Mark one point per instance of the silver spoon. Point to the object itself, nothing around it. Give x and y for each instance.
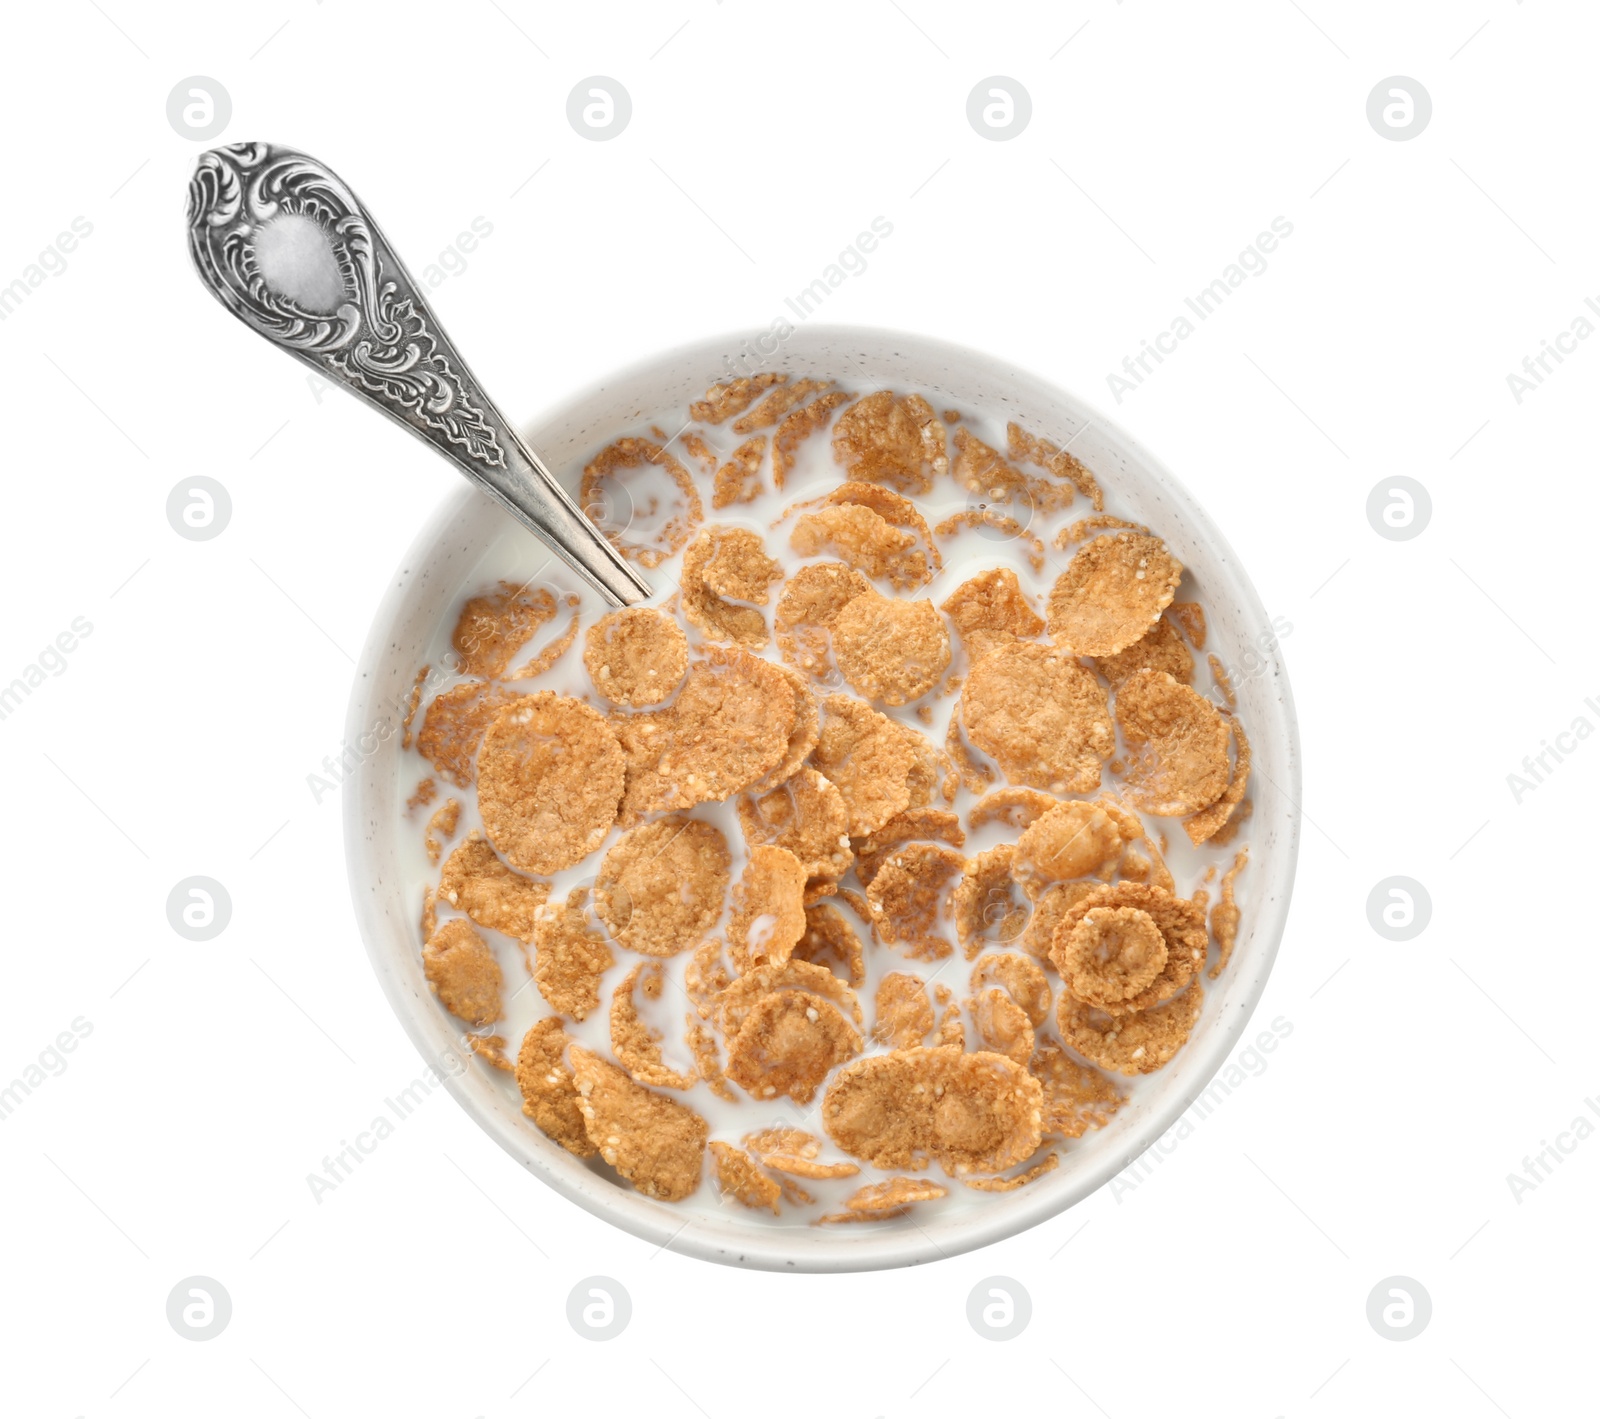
(290, 250)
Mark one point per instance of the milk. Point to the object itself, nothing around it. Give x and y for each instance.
(515, 557)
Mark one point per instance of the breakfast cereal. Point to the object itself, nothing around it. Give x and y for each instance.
(749, 809)
(570, 957)
(661, 884)
(550, 776)
(635, 657)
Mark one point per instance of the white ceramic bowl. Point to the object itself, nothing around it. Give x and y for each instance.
(423, 593)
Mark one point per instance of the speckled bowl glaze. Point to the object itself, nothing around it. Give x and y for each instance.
(431, 575)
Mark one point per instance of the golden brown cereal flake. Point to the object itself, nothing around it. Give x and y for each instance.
(891, 651)
(412, 702)
(426, 791)
(549, 1095)
(1099, 523)
(636, 1044)
(829, 937)
(636, 657)
(493, 627)
(806, 608)
(723, 563)
(1112, 955)
(550, 775)
(797, 427)
(454, 725)
(430, 913)
(733, 1004)
(991, 610)
(698, 449)
(1020, 977)
(1003, 1026)
(476, 882)
(570, 957)
(890, 440)
(1159, 648)
(729, 726)
(902, 1016)
(794, 1151)
(952, 1033)
(1178, 741)
(985, 474)
(909, 569)
(739, 1177)
(974, 775)
(463, 973)
(802, 737)
(1007, 526)
(782, 399)
(1225, 915)
(1041, 716)
(893, 1198)
(737, 566)
(1208, 824)
(1191, 616)
(1024, 447)
(1182, 925)
(931, 770)
(722, 401)
(1111, 593)
(865, 756)
(858, 536)
(1076, 1097)
(1075, 839)
(1018, 808)
(628, 453)
(551, 653)
(806, 815)
(441, 828)
(1046, 1164)
(706, 976)
(907, 894)
(661, 885)
(972, 1113)
(1224, 681)
(788, 1043)
(702, 1043)
(654, 1142)
(739, 479)
(1052, 905)
(986, 904)
(914, 825)
(769, 914)
(1139, 1043)
(491, 1049)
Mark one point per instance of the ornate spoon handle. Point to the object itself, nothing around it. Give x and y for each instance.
(287, 247)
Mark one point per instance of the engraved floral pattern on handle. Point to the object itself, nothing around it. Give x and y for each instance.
(381, 339)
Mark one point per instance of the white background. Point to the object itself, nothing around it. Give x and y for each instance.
(178, 739)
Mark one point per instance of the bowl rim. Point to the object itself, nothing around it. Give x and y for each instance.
(823, 1250)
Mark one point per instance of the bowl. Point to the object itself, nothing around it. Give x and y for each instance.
(423, 591)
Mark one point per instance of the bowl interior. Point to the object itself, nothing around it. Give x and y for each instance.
(422, 594)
